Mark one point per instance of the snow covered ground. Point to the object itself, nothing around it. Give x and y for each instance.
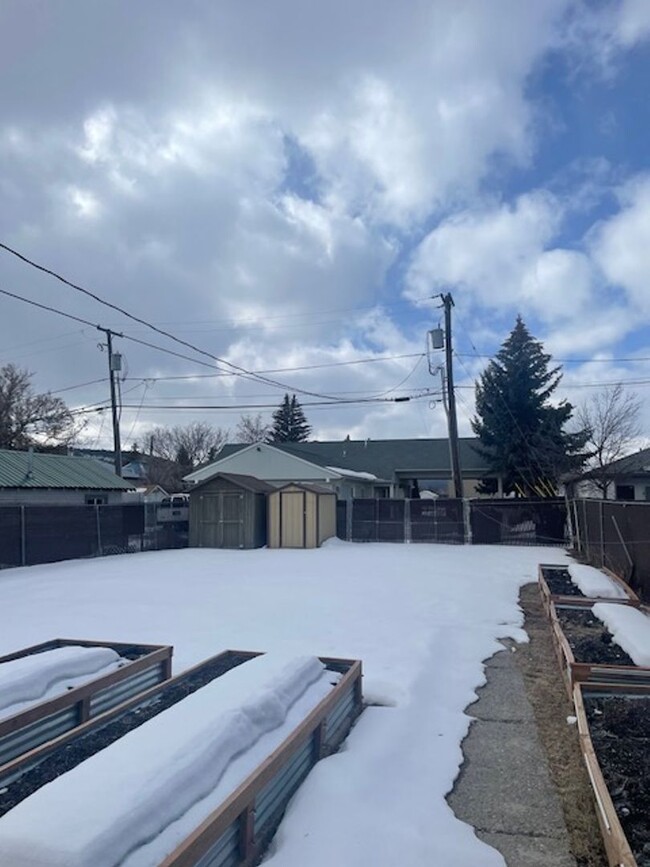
(421, 617)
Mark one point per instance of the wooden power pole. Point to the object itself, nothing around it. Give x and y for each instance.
(452, 421)
(113, 368)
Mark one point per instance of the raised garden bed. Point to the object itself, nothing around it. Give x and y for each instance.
(289, 716)
(26, 774)
(141, 666)
(614, 727)
(587, 650)
(557, 585)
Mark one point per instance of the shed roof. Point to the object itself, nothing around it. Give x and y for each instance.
(36, 470)
(307, 486)
(249, 483)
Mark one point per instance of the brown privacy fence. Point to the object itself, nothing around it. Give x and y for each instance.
(615, 535)
(44, 534)
(482, 522)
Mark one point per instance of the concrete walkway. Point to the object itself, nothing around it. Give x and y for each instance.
(504, 789)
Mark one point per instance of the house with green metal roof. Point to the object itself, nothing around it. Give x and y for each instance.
(354, 468)
(32, 478)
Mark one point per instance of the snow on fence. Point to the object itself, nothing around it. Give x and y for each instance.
(617, 846)
(158, 784)
(54, 687)
(567, 585)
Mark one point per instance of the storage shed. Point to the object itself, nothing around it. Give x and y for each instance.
(228, 511)
(301, 515)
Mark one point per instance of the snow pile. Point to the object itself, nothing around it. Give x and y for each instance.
(31, 679)
(103, 810)
(353, 474)
(630, 628)
(594, 583)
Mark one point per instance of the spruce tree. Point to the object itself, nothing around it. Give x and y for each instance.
(521, 433)
(289, 423)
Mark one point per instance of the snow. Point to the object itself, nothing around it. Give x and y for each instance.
(187, 750)
(353, 474)
(630, 628)
(423, 618)
(29, 680)
(594, 583)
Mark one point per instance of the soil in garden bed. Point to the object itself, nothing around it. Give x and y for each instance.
(559, 581)
(620, 732)
(589, 638)
(82, 747)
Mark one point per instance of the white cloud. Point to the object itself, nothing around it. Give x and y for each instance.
(621, 244)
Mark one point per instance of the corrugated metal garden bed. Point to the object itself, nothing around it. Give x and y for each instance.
(23, 775)
(614, 728)
(586, 650)
(556, 585)
(238, 830)
(28, 729)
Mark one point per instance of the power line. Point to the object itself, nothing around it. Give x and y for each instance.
(241, 371)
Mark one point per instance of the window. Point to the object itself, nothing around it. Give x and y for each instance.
(96, 499)
(624, 492)
(647, 492)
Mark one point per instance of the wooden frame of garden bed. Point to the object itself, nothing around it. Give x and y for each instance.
(42, 722)
(14, 768)
(586, 601)
(590, 672)
(238, 831)
(619, 853)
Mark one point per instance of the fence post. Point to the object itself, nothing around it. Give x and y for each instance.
(467, 521)
(586, 552)
(23, 543)
(348, 518)
(99, 530)
(576, 526)
(602, 533)
(407, 522)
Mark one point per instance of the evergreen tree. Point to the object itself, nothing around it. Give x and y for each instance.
(521, 433)
(289, 423)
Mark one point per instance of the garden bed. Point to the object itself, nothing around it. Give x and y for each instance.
(50, 688)
(26, 774)
(249, 738)
(614, 726)
(582, 585)
(587, 650)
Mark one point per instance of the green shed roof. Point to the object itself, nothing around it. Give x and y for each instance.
(34, 470)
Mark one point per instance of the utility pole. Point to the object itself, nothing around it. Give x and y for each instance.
(114, 365)
(448, 303)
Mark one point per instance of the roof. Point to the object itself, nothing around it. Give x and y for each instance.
(637, 464)
(250, 483)
(382, 458)
(35, 470)
(307, 486)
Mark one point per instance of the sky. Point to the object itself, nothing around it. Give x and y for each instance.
(287, 186)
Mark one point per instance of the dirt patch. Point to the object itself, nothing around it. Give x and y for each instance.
(620, 732)
(559, 581)
(589, 638)
(547, 695)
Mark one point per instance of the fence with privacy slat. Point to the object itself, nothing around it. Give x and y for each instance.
(615, 535)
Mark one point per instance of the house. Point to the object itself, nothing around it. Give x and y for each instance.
(627, 479)
(354, 468)
(30, 478)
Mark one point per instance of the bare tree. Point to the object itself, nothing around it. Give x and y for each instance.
(611, 418)
(189, 445)
(28, 419)
(252, 429)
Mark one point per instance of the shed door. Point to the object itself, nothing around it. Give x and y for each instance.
(292, 508)
(222, 520)
(232, 521)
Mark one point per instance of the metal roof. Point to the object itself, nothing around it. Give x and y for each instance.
(383, 458)
(35, 470)
(249, 483)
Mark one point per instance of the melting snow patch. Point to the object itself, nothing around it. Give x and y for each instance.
(629, 627)
(595, 583)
